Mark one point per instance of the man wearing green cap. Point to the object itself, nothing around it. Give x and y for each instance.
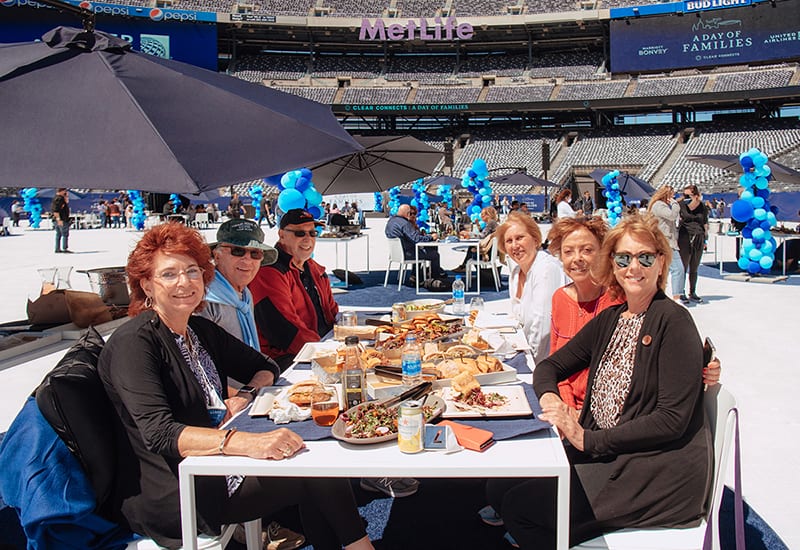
(238, 255)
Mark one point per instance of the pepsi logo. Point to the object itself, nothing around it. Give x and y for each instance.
(8, 3)
(85, 5)
(156, 14)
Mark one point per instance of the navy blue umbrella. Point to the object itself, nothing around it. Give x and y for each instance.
(631, 187)
(522, 178)
(80, 109)
(731, 163)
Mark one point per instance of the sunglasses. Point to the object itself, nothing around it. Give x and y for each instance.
(623, 259)
(240, 251)
(300, 233)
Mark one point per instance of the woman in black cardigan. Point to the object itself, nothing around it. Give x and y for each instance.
(640, 452)
(164, 372)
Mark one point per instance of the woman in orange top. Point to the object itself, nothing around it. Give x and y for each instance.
(576, 242)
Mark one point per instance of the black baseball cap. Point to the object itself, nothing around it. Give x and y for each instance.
(298, 216)
(247, 234)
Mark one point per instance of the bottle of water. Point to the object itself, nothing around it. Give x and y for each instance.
(412, 362)
(353, 376)
(458, 297)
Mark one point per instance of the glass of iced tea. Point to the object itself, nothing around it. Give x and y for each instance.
(325, 405)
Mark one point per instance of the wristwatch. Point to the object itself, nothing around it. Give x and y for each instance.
(250, 390)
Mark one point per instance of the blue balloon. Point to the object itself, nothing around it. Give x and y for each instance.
(771, 219)
(742, 210)
(315, 211)
(747, 163)
(757, 202)
(755, 254)
(480, 168)
(471, 174)
(747, 232)
(487, 199)
(744, 262)
(747, 245)
(760, 214)
(767, 247)
(761, 183)
(301, 184)
(763, 193)
(312, 196)
(758, 234)
(754, 268)
(615, 186)
(474, 209)
(290, 199)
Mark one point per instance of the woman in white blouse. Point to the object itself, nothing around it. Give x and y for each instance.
(563, 208)
(535, 276)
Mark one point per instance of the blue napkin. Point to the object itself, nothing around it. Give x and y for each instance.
(306, 429)
(508, 428)
(519, 362)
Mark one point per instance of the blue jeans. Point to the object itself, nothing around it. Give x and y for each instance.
(62, 235)
(677, 275)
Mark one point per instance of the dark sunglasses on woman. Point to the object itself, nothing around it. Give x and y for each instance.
(623, 259)
(240, 251)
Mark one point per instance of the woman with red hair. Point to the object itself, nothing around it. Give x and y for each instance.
(164, 372)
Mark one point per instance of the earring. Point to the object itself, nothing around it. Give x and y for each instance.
(148, 302)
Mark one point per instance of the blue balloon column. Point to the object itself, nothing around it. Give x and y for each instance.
(422, 203)
(378, 202)
(256, 193)
(176, 202)
(446, 192)
(138, 209)
(32, 206)
(476, 181)
(394, 200)
(298, 191)
(757, 253)
(613, 197)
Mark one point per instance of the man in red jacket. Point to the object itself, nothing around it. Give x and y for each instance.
(293, 299)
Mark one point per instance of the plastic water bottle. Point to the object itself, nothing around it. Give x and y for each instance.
(412, 362)
(459, 308)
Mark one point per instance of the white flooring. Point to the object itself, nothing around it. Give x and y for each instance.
(754, 327)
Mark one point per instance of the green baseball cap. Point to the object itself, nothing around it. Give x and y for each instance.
(247, 234)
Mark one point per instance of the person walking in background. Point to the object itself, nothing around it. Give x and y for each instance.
(587, 204)
(115, 213)
(667, 211)
(235, 208)
(264, 212)
(16, 212)
(60, 211)
(692, 234)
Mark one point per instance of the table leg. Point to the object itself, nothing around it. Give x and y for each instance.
(367, 236)
(716, 248)
(346, 257)
(188, 514)
(784, 256)
(562, 516)
(478, 266)
(416, 265)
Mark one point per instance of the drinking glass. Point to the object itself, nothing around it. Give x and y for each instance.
(476, 304)
(324, 405)
(346, 319)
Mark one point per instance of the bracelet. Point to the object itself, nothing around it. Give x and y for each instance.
(225, 439)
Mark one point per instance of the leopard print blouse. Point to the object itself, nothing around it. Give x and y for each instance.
(613, 379)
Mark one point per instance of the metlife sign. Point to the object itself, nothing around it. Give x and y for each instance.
(161, 35)
(759, 32)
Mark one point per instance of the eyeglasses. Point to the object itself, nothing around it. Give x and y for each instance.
(623, 259)
(240, 251)
(300, 233)
(172, 276)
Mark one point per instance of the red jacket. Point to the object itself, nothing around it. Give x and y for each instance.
(285, 316)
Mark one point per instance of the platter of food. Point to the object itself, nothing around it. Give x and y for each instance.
(467, 399)
(373, 422)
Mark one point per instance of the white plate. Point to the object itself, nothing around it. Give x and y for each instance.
(517, 404)
(311, 349)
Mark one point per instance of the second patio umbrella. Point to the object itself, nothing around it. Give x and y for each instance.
(731, 163)
(386, 161)
(632, 188)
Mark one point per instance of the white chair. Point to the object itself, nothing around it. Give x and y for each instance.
(252, 532)
(723, 418)
(201, 220)
(493, 263)
(396, 256)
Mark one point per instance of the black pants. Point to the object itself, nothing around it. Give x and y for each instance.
(432, 255)
(327, 507)
(691, 249)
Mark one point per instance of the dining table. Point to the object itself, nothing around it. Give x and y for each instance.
(524, 448)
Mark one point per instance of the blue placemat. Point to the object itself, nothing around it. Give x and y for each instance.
(519, 362)
(307, 429)
(508, 428)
